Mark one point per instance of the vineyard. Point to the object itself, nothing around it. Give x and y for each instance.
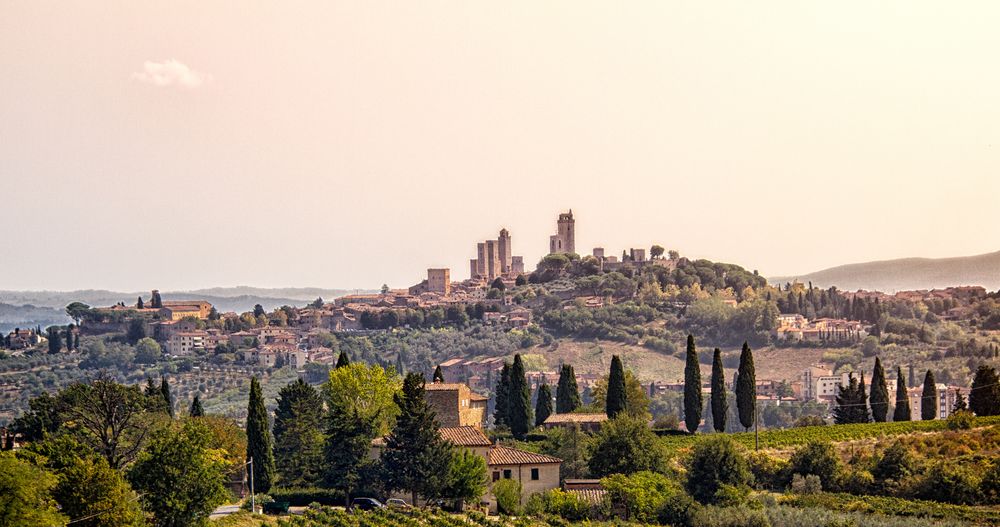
(836, 433)
(330, 517)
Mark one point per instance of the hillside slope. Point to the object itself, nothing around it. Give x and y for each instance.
(907, 273)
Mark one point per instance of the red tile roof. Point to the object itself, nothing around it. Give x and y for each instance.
(576, 418)
(504, 455)
(468, 436)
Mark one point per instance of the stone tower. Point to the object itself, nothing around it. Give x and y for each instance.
(503, 249)
(564, 241)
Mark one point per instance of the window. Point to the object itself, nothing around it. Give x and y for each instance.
(496, 475)
(506, 474)
(534, 474)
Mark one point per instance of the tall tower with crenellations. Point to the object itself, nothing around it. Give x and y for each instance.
(503, 247)
(564, 241)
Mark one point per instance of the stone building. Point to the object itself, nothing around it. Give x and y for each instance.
(564, 241)
(438, 281)
(535, 472)
(495, 259)
(456, 405)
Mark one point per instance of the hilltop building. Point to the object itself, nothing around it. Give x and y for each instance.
(495, 259)
(564, 241)
(438, 281)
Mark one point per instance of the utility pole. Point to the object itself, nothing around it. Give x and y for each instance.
(253, 502)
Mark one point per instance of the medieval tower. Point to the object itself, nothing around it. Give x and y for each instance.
(565, 239)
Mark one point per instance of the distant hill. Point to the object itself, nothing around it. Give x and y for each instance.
(907, 273)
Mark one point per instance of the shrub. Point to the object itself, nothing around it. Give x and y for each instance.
(806, 484)
(960, 420)
(302, 496)
(819, 459)
(950, 483)
(857, 481)
(508, 495)
(731, 517)
(896, 463)
(626, 445)
(645, 496)
(716, 462)
(768, 472)
(564, 504)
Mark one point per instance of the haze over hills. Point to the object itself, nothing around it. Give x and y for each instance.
(907, 273)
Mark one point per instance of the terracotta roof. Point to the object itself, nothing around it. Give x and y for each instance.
(504, 455)
(591, 496)
(444, 386)
(576, 418)
(468, 436)
(476, 397)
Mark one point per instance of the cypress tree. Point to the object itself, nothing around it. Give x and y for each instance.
(984, 397)
(567, 393)
(693, 403)
(167, 399)
(438, 376)
(520, 400)
(501, 410)
(879, 397)
(55, 340)
(138, 303)
(929, 398)
(196, 409)
(154, 397)
(399, 364)
(415, 455)
(259, 440)
(960, 405)
(852, 406)
(720, 406)
(902, 411)
(863, 415)
(746, 388)
(913, 377)
(298, 434)
(345, 451)
(543, 404)
(342, 360)
(616, 399)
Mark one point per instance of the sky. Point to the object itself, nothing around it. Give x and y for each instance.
(187, 144)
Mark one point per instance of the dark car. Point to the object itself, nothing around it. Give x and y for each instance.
(366, 504)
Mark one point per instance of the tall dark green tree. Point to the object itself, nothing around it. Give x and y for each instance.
(438, 376)
(259, 445)
(520, 400)
(167, 398)
(567, 393)
(852, 405)
(543, 404)
(155, 301)
(139, 303)
(258, 311)
(720, 406)
(501, 410)
(693, 402)
(342, 360)
(136, 331)
(879, 397)
(902, 411)
(154, 401)
(399, 364)
(345, 451)
(196, 408)
(984, 397)
(298, 435)
(55, 340)
(746, 388)
(929, 398)
(960, 404)
(616, 401)
(415, 456)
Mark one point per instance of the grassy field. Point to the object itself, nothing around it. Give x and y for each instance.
(791, 437)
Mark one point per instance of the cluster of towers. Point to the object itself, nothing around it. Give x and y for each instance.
(495, 260)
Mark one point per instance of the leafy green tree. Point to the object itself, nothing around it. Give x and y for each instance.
(154, 397)
(298, 435)
(258, 311)
(498, 284)
(896, 463)
(259, 444)
(520, 280)
(693, 402)
(438, 376)
(181, 476)
(520, 400)
(365, 391)
(650, 498)
(343, 360)
(817, 458)
(77, 311)
(626, 445)
(543, 404)
(467, 476)
(636, 396)
(984, 397)
(879, 397)
(501, 411)
(167, 398)
(902, 410)
(746, 388)
(715, 463)
(414, 451)
(196, 408)
(41, 419)
(107, 417)
(567, 393)
(720, 406)
(929, 398)
(55, 339)
(616, 400)
(96, 495)
(26, 495)
(508, 494)
(656, 251)
(148, 351)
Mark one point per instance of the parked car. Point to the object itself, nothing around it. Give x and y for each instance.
(366, 504)
(397, 503)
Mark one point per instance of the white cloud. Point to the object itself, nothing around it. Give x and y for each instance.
(170, 73)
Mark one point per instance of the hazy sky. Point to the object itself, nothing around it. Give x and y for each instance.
(346, 144)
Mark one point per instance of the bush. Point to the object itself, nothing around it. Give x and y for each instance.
(950, 483)
(806, 484)
(508, 495)
(819, 459)
(714, 463)
(563, 504)
(731, 517)
(649, 497)
(302, 496)
(259, 500)
(896, 463)
(960, 420)
(768, 472)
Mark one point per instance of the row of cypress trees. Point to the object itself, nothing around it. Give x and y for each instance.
(745, 388)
